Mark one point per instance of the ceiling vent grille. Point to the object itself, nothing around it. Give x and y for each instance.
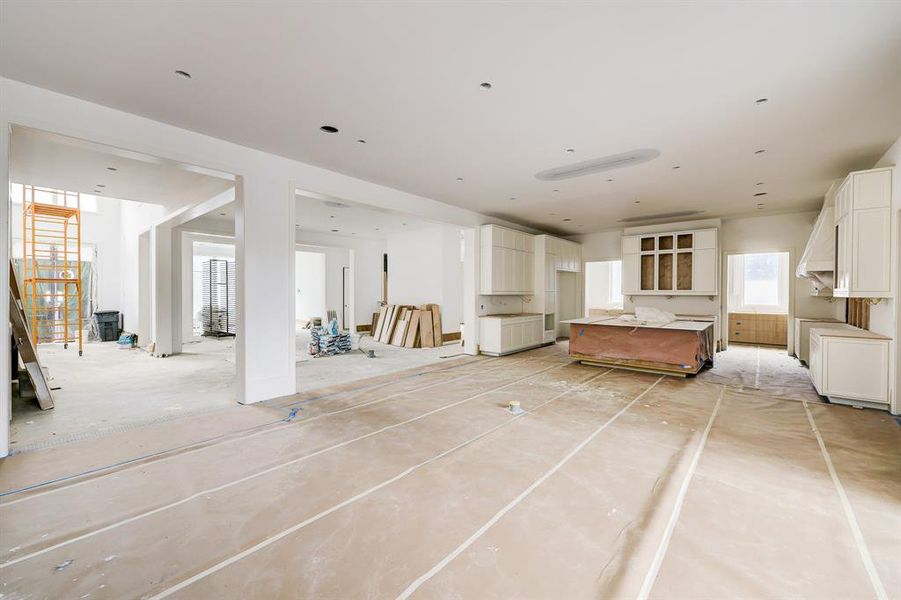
(658, 216)
(597, 165)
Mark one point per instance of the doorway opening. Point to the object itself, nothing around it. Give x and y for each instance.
(122, 283)
(757, 300)
(603, 287)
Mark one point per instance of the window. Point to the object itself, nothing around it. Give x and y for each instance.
(603, 285)
(759, 282)
(88, 202)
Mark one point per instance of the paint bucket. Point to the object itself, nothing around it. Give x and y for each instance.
(515, 408)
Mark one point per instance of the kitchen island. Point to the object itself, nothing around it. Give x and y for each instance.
(680, 347)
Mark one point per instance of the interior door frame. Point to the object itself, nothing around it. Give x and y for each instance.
(724, 295)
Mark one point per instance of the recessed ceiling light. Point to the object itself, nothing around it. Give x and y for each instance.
(567, 220)
(361, 141)
(376, 228)
(571, 150)
(328, 129)
(556, 190)
(759, 183)
(100, 185)
(97, 192)
(677, 167)
(334, 231)
(331, 216)
(183, 74)
(761, 101)
(404, 224)
(759, 194)
(759, 151)
(609, 180)
(112, 169)
(221, 214)
(638, 202)
(485, 85)
(459, 179)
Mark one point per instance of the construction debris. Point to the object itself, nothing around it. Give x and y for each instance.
(408, 326)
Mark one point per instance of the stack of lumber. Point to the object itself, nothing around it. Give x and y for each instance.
(409, 326)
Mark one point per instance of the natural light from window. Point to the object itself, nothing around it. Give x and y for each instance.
(603, 285)
(88, 201)
(759, 282)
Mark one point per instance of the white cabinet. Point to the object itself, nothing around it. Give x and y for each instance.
(671, 263)
(507, 261)
(863, 234)
(504, 334)
(850, 366)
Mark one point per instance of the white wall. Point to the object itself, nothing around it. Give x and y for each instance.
(424, 267)
(135, 219)
(367, 270)
(309, 281)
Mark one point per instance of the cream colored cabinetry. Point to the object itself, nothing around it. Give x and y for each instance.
(553, 256)
(863, 235)
(507, 261)
(671, 263)
(850, 366)
(504, 334)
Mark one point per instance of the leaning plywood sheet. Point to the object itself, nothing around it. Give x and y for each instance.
(412, 339)
(383, 316)
(426, 330)
(22, 336)
(436, 323)
(388, 329)
(400, 331)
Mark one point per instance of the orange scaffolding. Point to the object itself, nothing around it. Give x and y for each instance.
(51, 270)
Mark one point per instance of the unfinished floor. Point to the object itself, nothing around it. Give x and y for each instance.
(110, 389)
(611, 484)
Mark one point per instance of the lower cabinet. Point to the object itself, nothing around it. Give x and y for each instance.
(850, 366)
(504, 334)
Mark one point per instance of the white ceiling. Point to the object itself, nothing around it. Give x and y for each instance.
(350, 219)
(314, 215)
(54, 161)
(601, 78)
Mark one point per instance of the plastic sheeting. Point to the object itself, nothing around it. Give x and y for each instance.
(683, 350)
(433, 480)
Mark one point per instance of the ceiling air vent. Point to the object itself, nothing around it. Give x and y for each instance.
(658, 216)
(607, 163)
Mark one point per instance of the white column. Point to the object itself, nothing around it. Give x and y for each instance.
(5, 388)
(145, 293)
(264, 253)
(471, 290)
(162, 280)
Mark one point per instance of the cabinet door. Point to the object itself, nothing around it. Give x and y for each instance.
(704, 271)
(871, 251)
(631, 273)
(509, 269)
(631, 244)
(528, 272)
(497, 269)
(550, 273)
(704, 239)
(506, 337)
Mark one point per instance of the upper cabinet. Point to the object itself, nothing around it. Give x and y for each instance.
(863, 235)
(671, 263)
(507, 261)
(567, 255)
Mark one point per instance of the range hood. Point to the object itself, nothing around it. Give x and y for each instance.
(818, 261)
